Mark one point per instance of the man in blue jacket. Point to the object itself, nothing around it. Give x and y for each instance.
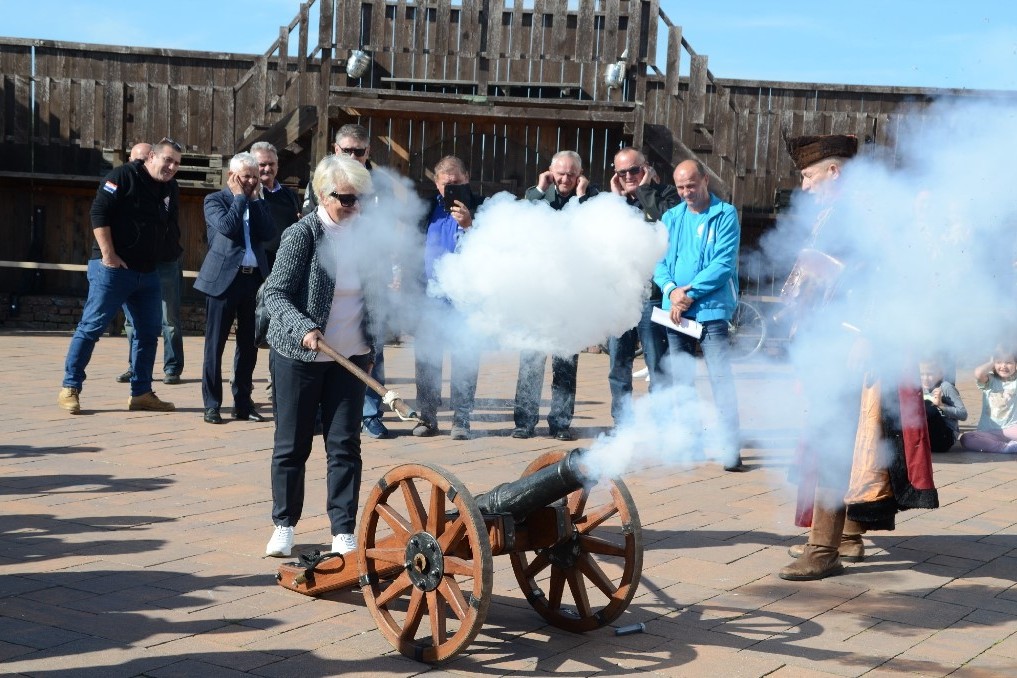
(238, 223)
(699, 280)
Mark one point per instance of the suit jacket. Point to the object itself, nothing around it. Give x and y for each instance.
(224, 221)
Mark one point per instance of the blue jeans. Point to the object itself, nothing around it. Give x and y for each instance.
(529, 383)
(434, 336)
(372, 401)
(108, 290)
(716, 352)
(170, 277)
(622, 351)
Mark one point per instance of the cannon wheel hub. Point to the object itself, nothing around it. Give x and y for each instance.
(424, 561)
(565, 554)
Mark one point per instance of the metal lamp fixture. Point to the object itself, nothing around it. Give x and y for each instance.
(614, 74)
(357, 64)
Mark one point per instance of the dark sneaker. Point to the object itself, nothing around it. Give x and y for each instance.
(736, 467)
(125, 377)
(460, 432)
(565, 434)
(425, 431)
(212, 416)
(374, 428)
(522, 433)
(170, 379)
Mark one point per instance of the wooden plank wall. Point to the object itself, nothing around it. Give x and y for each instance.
(524, 42)
(501, 157)
(748, 145)
(89, 99)
(67, 234)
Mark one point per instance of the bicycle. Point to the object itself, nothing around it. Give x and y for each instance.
(746, 330)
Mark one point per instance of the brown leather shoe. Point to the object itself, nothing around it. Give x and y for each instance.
(68, 400)
(149, 402)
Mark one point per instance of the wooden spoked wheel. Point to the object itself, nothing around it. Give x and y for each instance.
(587, 580)
(423, 525)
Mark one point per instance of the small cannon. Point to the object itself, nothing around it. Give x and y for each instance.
(425, 549)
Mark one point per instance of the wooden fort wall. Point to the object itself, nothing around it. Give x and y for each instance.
(502, 84)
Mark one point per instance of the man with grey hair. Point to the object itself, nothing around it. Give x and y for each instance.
(283, 204)
(447, 223)
(635, 180)
(238, 224)
(562, 181)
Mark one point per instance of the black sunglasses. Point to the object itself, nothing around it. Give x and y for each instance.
(167, 141)
(359, 152)
(631, 171)
(345, 199)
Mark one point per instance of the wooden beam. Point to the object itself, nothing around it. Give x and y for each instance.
(356, 103)
(674, 56)
(698, 82)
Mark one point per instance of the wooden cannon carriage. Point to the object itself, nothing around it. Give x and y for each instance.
(425, 550)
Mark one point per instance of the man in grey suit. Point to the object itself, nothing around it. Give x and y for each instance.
(238, 223)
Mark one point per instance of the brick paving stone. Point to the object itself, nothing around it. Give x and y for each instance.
(135, 540)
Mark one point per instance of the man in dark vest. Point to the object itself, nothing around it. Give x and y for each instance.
(134, 216)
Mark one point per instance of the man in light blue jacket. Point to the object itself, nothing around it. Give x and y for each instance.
(698, 277)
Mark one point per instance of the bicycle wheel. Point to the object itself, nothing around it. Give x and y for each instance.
(746, 331)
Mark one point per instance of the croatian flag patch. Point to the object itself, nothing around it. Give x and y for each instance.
(110, 187)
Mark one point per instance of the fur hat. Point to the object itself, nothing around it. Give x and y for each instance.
(808, 150)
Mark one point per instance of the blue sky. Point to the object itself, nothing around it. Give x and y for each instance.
(920, 43)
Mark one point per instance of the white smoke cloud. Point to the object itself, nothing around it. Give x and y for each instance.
(929, 246)
(531, 277)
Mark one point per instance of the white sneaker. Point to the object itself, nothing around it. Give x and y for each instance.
(281, 543)
(344, 543)
(639, 374)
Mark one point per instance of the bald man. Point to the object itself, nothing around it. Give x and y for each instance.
(170, 282)
(698, 278)
(140, 151)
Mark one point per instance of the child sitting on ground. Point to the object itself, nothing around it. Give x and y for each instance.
(943, 407)
(997, 429)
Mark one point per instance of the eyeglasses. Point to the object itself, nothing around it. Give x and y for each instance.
(630, 171)
(167, 141)
(359, 152)
(345, 199)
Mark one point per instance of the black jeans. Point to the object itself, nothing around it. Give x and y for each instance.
(300, 389)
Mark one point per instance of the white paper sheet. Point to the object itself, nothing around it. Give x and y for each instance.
(689, 327)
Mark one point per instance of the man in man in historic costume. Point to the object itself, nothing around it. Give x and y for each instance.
(848, 484)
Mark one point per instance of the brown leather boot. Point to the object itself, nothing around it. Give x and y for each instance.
(851, 548)
(819, 558)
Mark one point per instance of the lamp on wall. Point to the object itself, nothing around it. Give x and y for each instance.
(357, 64)
(614, 74)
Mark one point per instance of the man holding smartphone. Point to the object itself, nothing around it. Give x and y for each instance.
(447, 222)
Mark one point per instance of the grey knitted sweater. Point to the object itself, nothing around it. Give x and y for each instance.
(298, 292)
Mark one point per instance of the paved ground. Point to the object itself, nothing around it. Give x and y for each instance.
(130, 544)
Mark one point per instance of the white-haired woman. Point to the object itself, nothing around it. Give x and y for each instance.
(314, 294)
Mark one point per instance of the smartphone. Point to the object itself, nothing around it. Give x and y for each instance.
(460, 192)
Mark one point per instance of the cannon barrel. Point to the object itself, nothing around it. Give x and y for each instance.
(551, 483)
